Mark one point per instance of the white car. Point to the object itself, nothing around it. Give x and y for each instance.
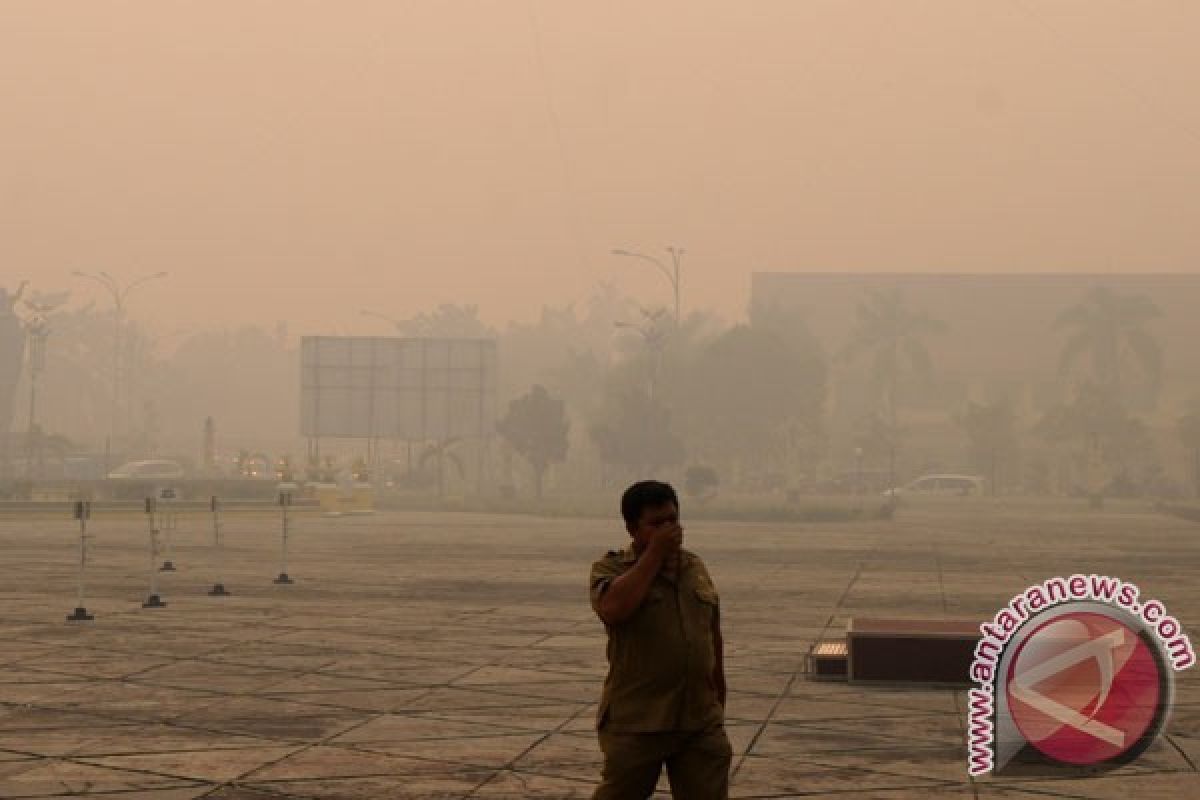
(148, 470)
(940, 485)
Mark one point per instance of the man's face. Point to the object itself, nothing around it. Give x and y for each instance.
(654, 520)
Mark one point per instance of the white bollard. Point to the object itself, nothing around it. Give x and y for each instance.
(153, 601)
(83, 510)
(285, 502)
(168, 496)
(218, 589)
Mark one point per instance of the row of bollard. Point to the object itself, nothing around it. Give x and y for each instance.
(166, 521)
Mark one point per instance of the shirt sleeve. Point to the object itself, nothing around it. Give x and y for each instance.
(704, 582)
(603, 572)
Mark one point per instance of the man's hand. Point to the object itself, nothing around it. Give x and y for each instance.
(665, 545)
(626, 592)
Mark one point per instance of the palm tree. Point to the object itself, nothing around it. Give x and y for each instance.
(12, 360)
(1189, 436)
(895, 336)
(1108, 328)
(442, 451)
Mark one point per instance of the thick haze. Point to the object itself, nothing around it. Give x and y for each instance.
(301, 161)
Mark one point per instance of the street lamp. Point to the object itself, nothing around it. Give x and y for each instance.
(671, 273)
(653, 337)
(860, 489)
(119, 295)
(38, 330)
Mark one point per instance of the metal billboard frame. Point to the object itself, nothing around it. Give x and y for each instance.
(407, 389)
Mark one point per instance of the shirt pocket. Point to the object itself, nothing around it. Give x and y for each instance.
(706, 605)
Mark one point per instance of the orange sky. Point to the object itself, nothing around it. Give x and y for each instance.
(299, 160)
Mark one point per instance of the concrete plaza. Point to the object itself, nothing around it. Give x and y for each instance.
(455, 656)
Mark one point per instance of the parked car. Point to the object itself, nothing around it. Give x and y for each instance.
(943, 485)
(150, 470)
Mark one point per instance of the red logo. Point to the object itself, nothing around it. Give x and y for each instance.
(1085, 688)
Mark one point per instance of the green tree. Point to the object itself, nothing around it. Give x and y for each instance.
(894, 336)
(1111, 329)
(536, 426)
(635, 433)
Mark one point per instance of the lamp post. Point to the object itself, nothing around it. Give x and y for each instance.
(858, 479)
(39, 330)
(119, 295)
(653, 336)
(671, 273)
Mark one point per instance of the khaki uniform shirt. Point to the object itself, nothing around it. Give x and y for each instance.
(661, 659)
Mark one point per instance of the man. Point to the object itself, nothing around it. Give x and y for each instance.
(664, 697)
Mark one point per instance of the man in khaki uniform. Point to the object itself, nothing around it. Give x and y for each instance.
(664, 697)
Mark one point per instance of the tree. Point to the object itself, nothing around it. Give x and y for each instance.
(700, 482)
(803, 436)
(1189, 435)
(448, 321)
(1103, 433)
(1110, 329)
(874, 437)
(789, 326)
(635, 433)
(894, 335)
(564, 344)
(579, 380)
(536, 426)
(644, 347)
(12, 360)
(245, 377)
(748, 394)
(440, 452)
(991, 438)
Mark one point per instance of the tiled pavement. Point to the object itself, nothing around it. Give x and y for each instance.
(454, 656)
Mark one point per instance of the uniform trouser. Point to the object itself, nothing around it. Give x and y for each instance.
(697, 764)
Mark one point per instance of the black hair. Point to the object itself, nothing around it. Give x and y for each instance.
(643, 495)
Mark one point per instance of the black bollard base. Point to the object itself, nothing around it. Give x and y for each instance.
(154, 601)
(167, 566)
(218, 590)
(79, 615)
(283, 578)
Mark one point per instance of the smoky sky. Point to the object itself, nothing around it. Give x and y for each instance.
(302, 161)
